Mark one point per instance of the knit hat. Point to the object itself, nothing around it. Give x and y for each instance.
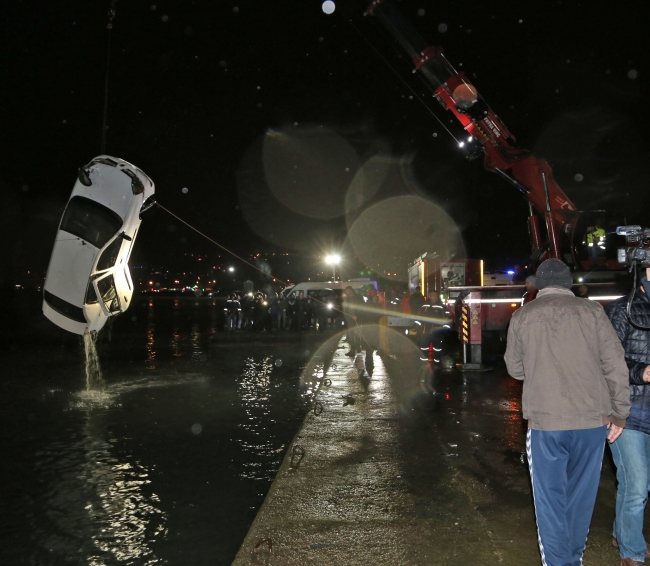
(554, 273)
(532, 279)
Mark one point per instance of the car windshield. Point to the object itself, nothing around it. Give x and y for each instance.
(90, 221)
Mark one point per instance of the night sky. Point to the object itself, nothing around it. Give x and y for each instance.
(267, 112)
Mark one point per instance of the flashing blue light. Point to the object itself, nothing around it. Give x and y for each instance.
(510, 272)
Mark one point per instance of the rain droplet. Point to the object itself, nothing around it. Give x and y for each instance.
(259, 105)
(184, 190)
(521, 21)
(157, 284)
(134, 318)
(278, 363)
(307, 352)
(411, 97)
(435, 134)
(568, 61)
(259, 88)
(153, 6)
(632, 74)
(421, 12)
(347, 169)
(557, 90)
(24, 188)
(164, 18)
(320, 39)
(295, 123)
(442, 28)
(235, 9)
(578, 177)
(222, 63)
(329, 7)
(196, 428)
(65, 121)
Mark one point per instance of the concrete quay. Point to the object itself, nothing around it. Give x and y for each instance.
(405, 468)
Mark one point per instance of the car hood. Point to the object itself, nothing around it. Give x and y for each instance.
(70, 268)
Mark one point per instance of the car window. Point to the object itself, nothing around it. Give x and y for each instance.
(109, 255)
(90, 221)
(108, 293)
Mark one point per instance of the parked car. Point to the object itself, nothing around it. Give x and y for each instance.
(88, 278)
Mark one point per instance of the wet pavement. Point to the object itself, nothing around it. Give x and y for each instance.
(406, 468)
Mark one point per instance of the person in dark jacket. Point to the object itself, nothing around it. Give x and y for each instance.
(416, 300)
(631, 451)
(531, 289)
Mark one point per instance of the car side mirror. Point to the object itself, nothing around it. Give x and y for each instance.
(84, 177)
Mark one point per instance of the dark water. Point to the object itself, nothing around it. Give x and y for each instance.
(170, 463)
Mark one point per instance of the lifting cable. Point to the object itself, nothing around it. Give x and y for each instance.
(109, 27)
(404, 82)
(215, 242)
(333, 308)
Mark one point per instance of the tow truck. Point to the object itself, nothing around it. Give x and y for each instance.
(556, 227)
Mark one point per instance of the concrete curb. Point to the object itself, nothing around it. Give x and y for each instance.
(326, 505)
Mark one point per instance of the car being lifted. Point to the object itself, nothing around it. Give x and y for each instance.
(88, 278)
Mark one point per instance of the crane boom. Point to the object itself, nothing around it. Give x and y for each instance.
(531, 175)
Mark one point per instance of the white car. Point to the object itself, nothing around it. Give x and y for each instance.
(88, 278)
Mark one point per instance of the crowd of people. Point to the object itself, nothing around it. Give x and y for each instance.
(259, 312)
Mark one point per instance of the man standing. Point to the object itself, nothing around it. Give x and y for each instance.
(575, 395)
(351, 302)
(416, 300)
(531, 289)
(631, 451)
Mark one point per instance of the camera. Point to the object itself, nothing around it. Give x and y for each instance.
(640, 252)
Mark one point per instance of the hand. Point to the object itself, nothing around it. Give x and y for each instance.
(646, 374)
(614, 432)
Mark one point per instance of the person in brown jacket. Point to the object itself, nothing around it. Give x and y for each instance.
(575, 395)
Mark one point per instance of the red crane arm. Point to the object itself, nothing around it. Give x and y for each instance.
(532, 176)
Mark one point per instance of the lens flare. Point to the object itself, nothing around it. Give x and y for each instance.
(392, 233)
(309, 170)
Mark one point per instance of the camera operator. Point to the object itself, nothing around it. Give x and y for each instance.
(631, 451)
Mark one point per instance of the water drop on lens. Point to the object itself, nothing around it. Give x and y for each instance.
(329, 7)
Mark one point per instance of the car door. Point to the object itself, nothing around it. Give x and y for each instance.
(107, 294)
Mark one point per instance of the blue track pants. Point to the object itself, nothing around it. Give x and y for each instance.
(564, 472)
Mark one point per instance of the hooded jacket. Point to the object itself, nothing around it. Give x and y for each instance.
(636, 343)
(571, 362)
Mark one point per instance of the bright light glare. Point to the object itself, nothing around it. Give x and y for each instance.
(510, 272)
(333, 259)
(461, 144)
(231, 269)
(329, 7)
(470, 138)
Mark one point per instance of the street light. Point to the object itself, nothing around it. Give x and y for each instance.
(333, 260)
(231, 269)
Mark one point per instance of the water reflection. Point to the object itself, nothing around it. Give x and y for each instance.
(254, 392)
(98, 499)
